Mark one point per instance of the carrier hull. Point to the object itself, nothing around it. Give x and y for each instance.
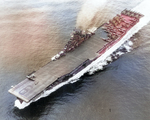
(64, 71)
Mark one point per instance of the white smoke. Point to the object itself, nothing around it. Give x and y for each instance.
(90, 14)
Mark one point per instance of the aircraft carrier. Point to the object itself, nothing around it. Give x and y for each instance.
(83, 53)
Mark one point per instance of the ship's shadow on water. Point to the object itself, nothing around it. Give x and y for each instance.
(45, 105)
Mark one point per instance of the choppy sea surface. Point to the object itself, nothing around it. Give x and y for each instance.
(32, 31)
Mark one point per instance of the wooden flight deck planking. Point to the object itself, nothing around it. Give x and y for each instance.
(28, 89)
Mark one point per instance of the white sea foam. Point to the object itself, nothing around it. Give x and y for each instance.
(98, 64)
(130, 43)
(21, 105)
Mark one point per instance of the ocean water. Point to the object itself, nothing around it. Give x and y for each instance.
(33, 31)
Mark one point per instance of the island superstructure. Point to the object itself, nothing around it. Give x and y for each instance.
(82, 54)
